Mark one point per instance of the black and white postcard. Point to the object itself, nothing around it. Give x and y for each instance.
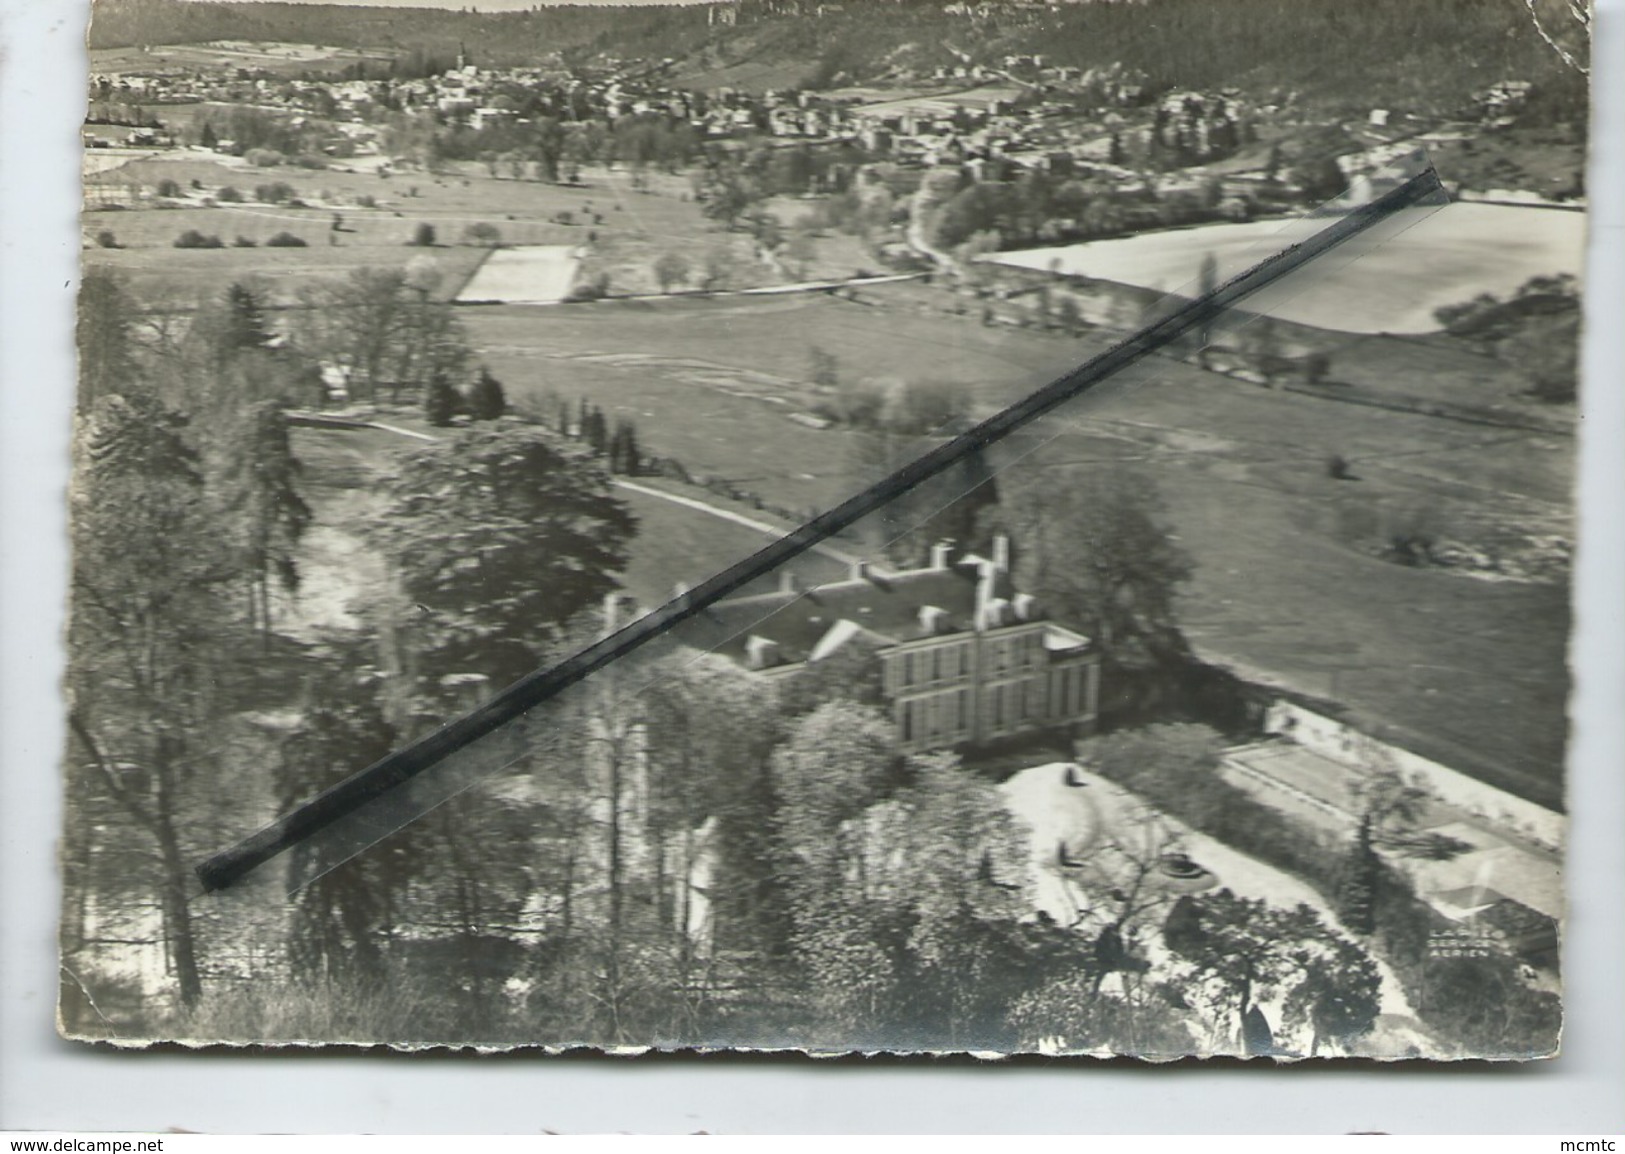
(1220, 711)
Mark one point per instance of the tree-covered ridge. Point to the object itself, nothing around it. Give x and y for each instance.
(1429, 57)
(495, 37)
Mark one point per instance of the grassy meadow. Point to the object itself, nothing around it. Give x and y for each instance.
(622, 230)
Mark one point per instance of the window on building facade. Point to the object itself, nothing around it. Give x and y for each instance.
(1073, 688)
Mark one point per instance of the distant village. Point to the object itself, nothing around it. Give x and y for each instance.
(992, 122)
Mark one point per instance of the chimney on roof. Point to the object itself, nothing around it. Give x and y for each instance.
(1001, 553)
(860, 570)
(1025, 606)
(761, 652)
(940, 552)
(933, 620)
(788, 582)
(986, 580)
(997, 613)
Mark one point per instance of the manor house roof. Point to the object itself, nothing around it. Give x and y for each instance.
(874, 606)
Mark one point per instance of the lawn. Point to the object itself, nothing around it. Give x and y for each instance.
(676, 544)
(715, 383)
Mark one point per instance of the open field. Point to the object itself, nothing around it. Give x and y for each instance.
(179, 278)
(524, 274)
(977, 99)
(276, 57)
(619, 232)
(714, 383)
(1493, 248)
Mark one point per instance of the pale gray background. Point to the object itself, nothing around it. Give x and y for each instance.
(49, 1084)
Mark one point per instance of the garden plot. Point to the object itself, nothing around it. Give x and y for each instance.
(524, 275)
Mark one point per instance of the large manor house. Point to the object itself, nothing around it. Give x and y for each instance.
(965, 658)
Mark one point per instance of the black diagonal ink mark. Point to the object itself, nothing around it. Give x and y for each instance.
(404, 764)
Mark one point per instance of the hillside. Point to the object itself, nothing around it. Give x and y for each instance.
(1428, 57)
(492, 38)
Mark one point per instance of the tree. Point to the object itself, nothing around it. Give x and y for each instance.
(1489, 1010)
(482, 233)
(105, 335)
(1071, 1013)
(1094, 551)
(1392, 815)
(258, 497)
(956, 861)
(424, 235)
(486, 400)
(1244, 951)
(246, 326)
(382, 331)
(276, 192)
(904, 886)
(147, 578)
(834, 764)
(440, 401)
(1320, 178)
(192, 238)
(594, 429)
(625, 457)
(799, 251)
(718, 268)
(926, 407)
(207, 137)
(670, 269)
(341, 918)
(729, 196)
(710, 732)
(499, 537)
